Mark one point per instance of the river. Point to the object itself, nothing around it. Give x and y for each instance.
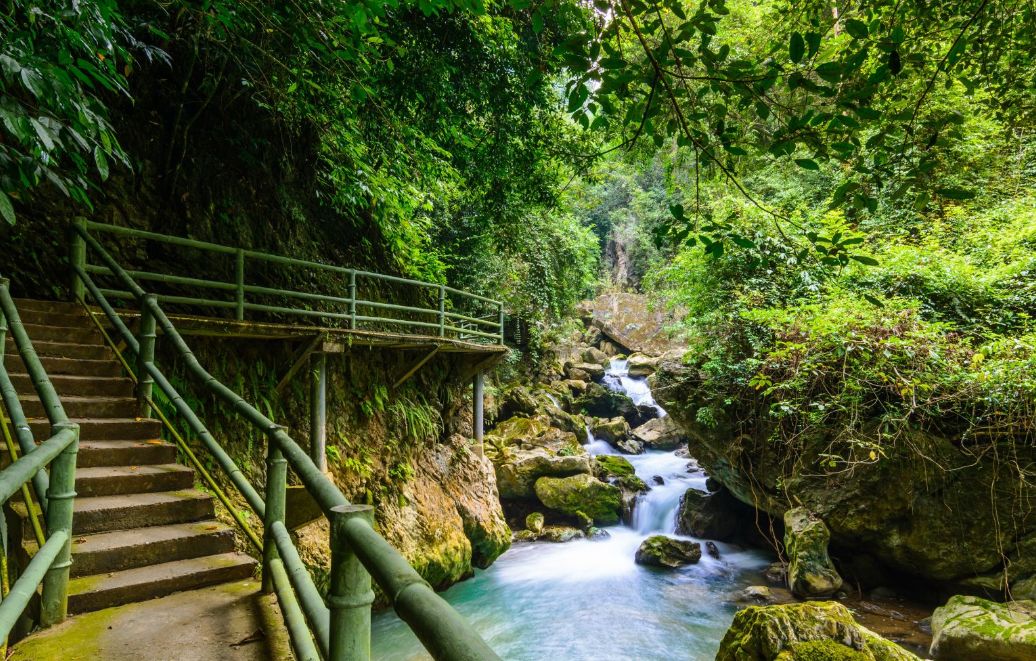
(588, 599)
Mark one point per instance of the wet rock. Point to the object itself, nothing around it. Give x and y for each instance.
(618, 471)
(583, 494)
(534, 522)
(516, 478)
(642, 414)
(712, 549)
(597, 534)
(712, 516)
(525, 536)
(561, 534)
(662, 551)
(526, 449)
(658, 479)
(517, 401)
(756, 594)
(811, 574)
(660, 434)
(776, 573)
(584, 371)
(600, 402)
(805, 631)
(640, 365)
(612, 431)
(630, 445)
(975, 628)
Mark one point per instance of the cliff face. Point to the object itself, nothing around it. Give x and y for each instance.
(932, 507)
(408, 452)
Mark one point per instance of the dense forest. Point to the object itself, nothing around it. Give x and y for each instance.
(832, 205)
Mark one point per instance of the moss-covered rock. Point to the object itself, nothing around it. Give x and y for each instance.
(517, 401)
(663, 551)
(516, 477)
(616, 469)
(600, 402)
(526, 449)
(582, 493)
(561, 534)
(613, 430)
(534, 522)
(975, 628)
(811, 574)
(708, 515)
(810, 631)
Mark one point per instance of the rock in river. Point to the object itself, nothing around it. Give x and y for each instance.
(807, 631)
(662, 551)
(811, 573)
(581, 494)
(660, 434)
(974, 628)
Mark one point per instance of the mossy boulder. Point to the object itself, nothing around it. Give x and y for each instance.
(612, 431)
(975, 628)
(526, 449)
(660, 434)
(810, 631)
(516, 478)
(534, 522)
(517, 401)
(811, 574)
(708, 515)
(600, 402)
(668, 552)
(583, 494)
(561, 534)
(617, 470)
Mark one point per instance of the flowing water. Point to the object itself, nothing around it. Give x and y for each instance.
(588, 599)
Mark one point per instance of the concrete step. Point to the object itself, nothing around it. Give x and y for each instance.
(118, 480)
(57, 365)
(107, 513)
(66, 350)
(104, 429)
(35, 304)
(81, 333)
(90, 593)
(129, 549)
(73, 318)
(81, 407)
(69, 385)
(93, 454)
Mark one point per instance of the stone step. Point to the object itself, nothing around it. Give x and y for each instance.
(78, 334)
(70, 385)
(93, 454)
(66, 349)
(104, 429)
(128, 549)
(81, 407)
(60, 365)
(74, 318)
(133, 479)
(90, 593)
(38, 305)
(108, 513)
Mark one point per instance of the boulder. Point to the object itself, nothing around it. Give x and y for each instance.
(561, 534)
(640, 365)
(662, 551)
(526, 449)
(660, 434)
(630, 445)
(576, 386)
(611, 348)
(583, 494)
(584, 371)
(534, 522)
(711, 515)
(776, 573)
(811, 574)
(516, 401)
(810, 631)
(641, 415)
(600, 402)
(628, 320)
(516, 478)
(618, 471)
(612, 431)
(975, 628)
(757, 595)
(595, 356)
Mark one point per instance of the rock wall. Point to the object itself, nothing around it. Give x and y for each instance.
(932, 507)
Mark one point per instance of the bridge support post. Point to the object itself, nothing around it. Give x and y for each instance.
(318, 412)
(60, 498)
(478, 403)
(349, 595)
(145, 356)
(276, 488)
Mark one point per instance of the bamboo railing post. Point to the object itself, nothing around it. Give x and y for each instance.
(442, 311)
(146, 355)
(349, 595)
(78, 258)
(501, 310)
(352, 300)
(60, 497)
(239, 280)
(276, 487)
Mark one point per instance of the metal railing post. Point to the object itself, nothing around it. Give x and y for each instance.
(349, 595)
(318, 411)
(78, 258)
(501, 305)
(276, 487)
(61, 499)
(146, 355)
(239, 280)
(352, 300)
(442, 311)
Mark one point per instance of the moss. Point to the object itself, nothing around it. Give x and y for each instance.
(821, 650)
(581, 494)
(77, 639)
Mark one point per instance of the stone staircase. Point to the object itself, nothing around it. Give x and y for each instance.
(141, 530)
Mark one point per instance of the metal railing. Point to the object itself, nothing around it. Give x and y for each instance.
(51, 562)
(340, 628)
(449, 313)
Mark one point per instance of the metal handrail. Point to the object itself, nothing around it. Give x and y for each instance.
(50, 565)
(360, 310)
(341, 628)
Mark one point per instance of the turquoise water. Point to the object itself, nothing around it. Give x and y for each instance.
(588, 599)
